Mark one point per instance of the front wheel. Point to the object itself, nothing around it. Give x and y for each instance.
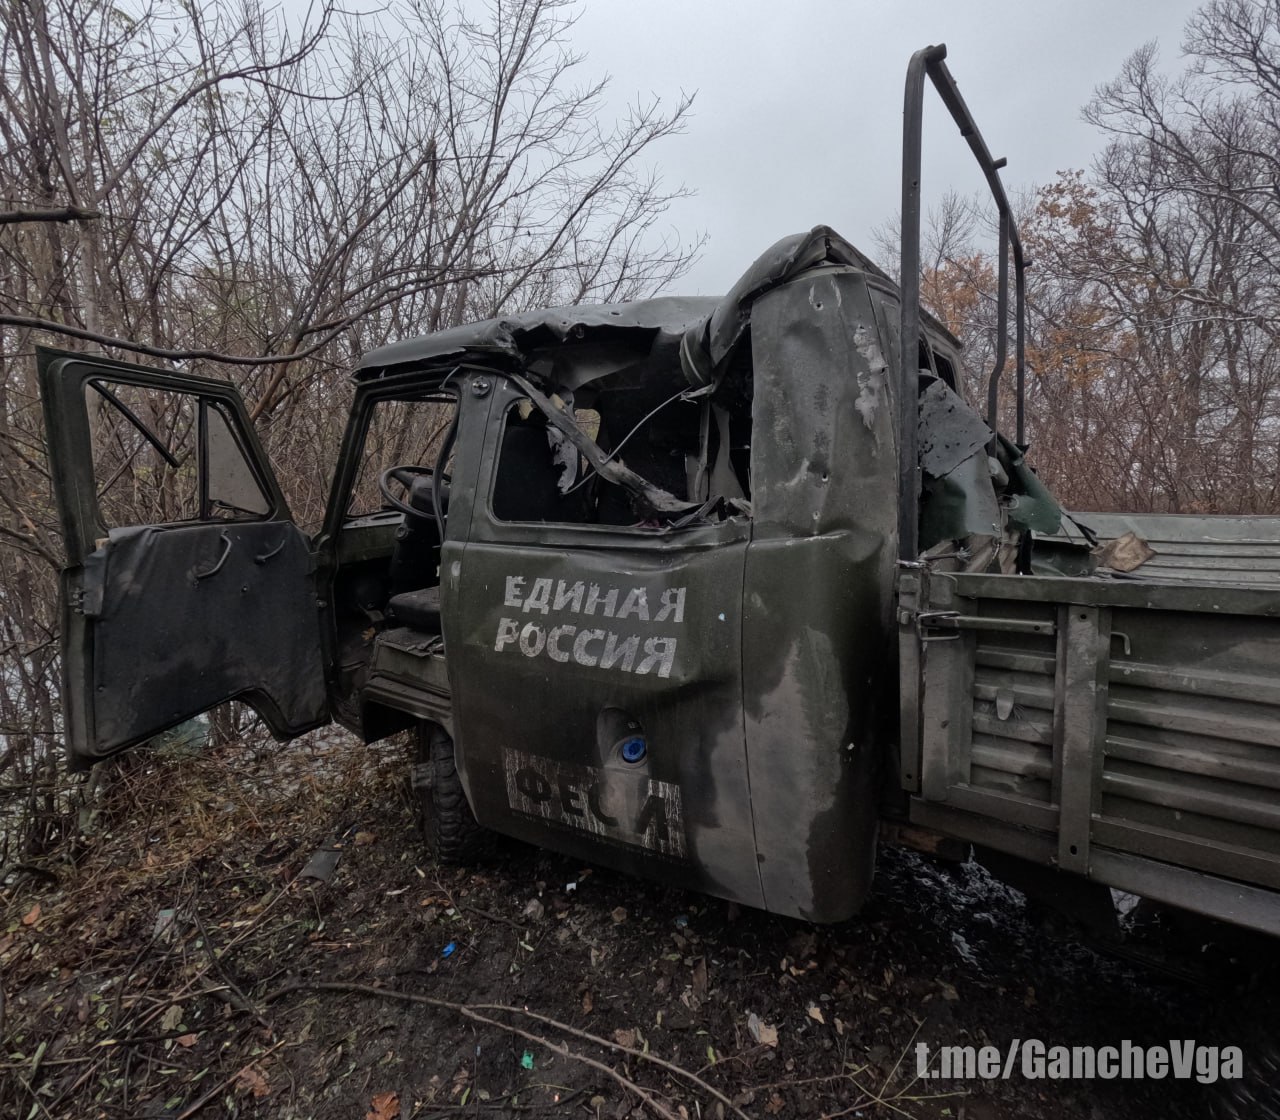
(453, 836)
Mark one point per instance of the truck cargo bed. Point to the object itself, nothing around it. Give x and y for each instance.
(1125, 729)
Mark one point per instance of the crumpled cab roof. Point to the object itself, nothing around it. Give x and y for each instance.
(695, 349)
(714, 325)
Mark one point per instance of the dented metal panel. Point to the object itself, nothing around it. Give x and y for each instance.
(514, 337)
(748, 652)
(818, 612)
(558, 654)
(767, 702)
(950, 431)
(163, 622)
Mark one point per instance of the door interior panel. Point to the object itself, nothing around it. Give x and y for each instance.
(192, 615)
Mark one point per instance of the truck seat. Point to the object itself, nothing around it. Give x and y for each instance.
(419, 610)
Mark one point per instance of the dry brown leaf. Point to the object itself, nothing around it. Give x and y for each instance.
(586, 1003)
(625, 1038)
(815, 1013)
(700, 978)
(384, 1106)
(762, 1033)
(186, 1041)
(252, 1080)
(31, 916)
(776, 1104)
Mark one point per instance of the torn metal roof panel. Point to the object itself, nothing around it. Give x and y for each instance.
(712, 327)
(515, 336)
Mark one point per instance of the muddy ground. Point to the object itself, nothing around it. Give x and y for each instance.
(166, 963)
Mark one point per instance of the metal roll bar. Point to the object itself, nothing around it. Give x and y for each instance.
(931, 62)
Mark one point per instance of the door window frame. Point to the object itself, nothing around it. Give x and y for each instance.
(369, 395)
(486, 527)
(66, 380)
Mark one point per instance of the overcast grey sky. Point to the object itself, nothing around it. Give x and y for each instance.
(798, 117)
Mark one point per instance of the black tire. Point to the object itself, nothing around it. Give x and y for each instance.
(452, 834)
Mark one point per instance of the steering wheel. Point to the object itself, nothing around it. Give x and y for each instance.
(405, 475)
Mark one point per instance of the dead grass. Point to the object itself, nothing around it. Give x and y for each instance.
(185, 857)
(178, 966)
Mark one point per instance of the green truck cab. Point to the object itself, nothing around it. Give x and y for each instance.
(708, 590)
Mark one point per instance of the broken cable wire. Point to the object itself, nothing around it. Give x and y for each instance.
(683, 394)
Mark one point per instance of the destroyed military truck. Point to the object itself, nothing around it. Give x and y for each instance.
(716, 591)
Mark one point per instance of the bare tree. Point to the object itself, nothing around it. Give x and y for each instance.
(265, 196)
(1154, 295)
(1175, 248)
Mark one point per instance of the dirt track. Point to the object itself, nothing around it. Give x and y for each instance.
(116, 1009)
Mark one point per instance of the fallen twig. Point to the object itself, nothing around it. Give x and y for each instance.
(494, 917)
(473, 1012)
(71, 1091)
(235, 996)
(652, 1059)
(192, 1109)
(33, 869)
(32, 1094)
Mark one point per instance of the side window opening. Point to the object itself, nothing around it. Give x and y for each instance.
(166, 457)
(945, 370)
(541, 476)
(933, 360)
(401, 432)
(405, 440)
(926, 356)
(672, 442)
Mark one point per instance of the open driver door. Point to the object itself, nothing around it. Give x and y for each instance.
(187, 583)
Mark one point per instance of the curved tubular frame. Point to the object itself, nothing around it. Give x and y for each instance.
(930, 62)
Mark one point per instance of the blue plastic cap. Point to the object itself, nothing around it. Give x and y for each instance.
(634, 749)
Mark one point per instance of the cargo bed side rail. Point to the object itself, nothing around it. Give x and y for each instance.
(1125, 731)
